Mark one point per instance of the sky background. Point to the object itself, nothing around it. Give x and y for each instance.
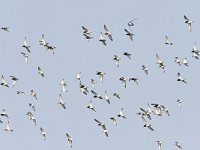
(60, 21)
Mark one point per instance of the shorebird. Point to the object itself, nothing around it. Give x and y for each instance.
(195, 52)
(91, 106)
(31, 117)
(106, 97)
(178, 61)
(5, 29)
(180, 102)
(87, 33)
(146, 124)
(63, 85)
(134, 79)
(127, 54)
(117, 59)
(40, 72)
(61, 102)
(130, 34)
(103, 127)
(26, 46)
(32, 106)
(160, 63)
(8, 127)
(185, 62)
(123, 80)
(121, 114)
(83, 88)
(116, 95)
(43, 133)
(167, 41)
(34, 94)
(108, 33)
(50, 47)
(114, 119)
(4, 114)
(131, 24)
(25, 56)
(78, 76)
(14, 79)
(158, 109)
(145, 69)
(101, 75)
(189, 22)
(20, 92)
(159, 143)
(69, 139)
(102, 39)
(180, 78)
(93, 83)
(43, 42)
(178, 145)
(3, 82)
(96, 95)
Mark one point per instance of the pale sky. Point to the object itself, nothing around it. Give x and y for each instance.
(60, 21)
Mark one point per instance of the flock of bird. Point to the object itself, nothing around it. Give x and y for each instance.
(145, 113)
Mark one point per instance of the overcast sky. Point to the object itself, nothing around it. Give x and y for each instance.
(60, 21)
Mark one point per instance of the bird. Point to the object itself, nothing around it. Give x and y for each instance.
(123, 80)
(121, 114)
(189, 22)
(130, 23)
(178, 145)
(159, 143)
(134, 79)
(102, 39)
(93, 83)
(103, 126)
(15, 79)
(116, 95)
(145, 69)
(61, 102)
(8, 127)
(69, 139)
(195, 52)
(106, 97)
(180, 102)
(91, 106)
(146, 124)
(117, 59)
(43, 42)
(5, 29)
(3, 82)
(114, 119)
(178, 61)
(167, 41)
(101, 75)
(83, 88)
(108, 33)
(34, 94)
(160, 63)
(78, 76)
(50, 47)
(31, 117)
(158, 109)
(63, 85)
(87, 33)
(180, 78)
(25, 45)
(32, 106)
(25, 56)
(20, 92)
(96, 95)
(127, 54)
(4, 114)
(130, 34)
(40, 71)
(185, 62)
(43, 133)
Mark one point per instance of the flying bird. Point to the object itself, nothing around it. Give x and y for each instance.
(5, 29)
(185, 62)
(131, 24)
(178, 145)
(103, 127)
(26, 46)
(102, 39)
(114, 120)
(145, 69)
(116, 95)
(180, 102)
(40, 72)
(130, 34)
(25, 56)
(195, 52)
(123, 80)
(189, 22)
(43, 133)
(178, 61)
(91, 106)
(121, 114)
(34, 94)
(63, 85)
(3, 82)
(180, 78)
(32, 106)
(8, 127)
(69, 139)
(159, 143)
(14, 79)
(117, 59)
(134, 79)
(127, 54)
(108, 33)
(61, 102)
(101, 75)
(146, 124)
(4, 114)
(160, 63)
(93, 83)
(106, 97)
(167, 41)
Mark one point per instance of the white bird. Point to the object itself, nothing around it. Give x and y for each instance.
(134, 79)
(83, 88)
(5, 29)
(91, 106)
(25, 56)
(50, 47)
(108, 33)
(102, 39)
(106, 97)
(195, 52)
(20, 92)
(189, 22)
(159, 143)
(93, 83)
(34, 94)
(103, 127)
(78, 76)
(178, 145)
(121, 114)
(185, 62)
(43, 42)
(61, 102)
(117, 59)
(63, 85)
(178, 61)
(131, 24)
(87, 33)
(160, 63)
(41, 72)
(180, 102)
(31, 117)
(14, 79)
(146, 124)
(26, 46)
(167, 41)
(116, 95)
(145, 69)
(180, 78)
(43, 133)
(69, 139)
(123, 80)
(96, 95)
(8, 127)
(4, 114)
(127, 54)
(3, 82)
(114, 119)
(130, 34)
(101, 75)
